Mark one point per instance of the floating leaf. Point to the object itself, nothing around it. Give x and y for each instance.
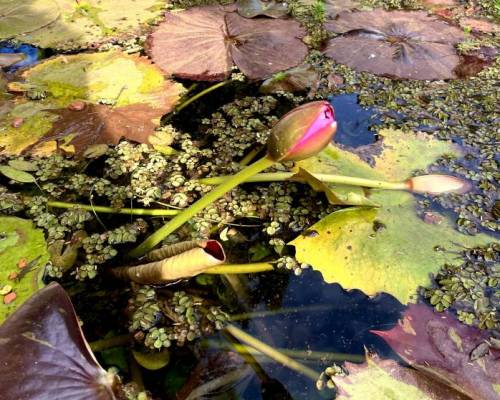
(294, 80)
(45, 356)
(386, 379)
(152, 360)
(440, 346)
(69, 24)
(372, 249)
(19, 239)
(18, 17)
(88, 98)
(23, 165)
(203, 42)
(401, 44)
(16, 175)
(254, 8)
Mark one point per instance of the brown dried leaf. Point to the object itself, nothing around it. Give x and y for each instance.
(101, 124)
(401, 44)
(203, 42)
(44, 354)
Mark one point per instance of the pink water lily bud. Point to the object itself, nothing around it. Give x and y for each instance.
(435, 184)
(302, 132)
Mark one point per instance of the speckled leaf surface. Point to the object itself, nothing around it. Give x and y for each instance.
(127, 93)
(20, 242)
(389, 248)
(44, 354)
(203, 43)
(440, 346)
(379, 379)
(87, 23)
(400, 44)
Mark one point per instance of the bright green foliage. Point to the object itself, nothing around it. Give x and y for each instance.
(20, 242)
(390, 248)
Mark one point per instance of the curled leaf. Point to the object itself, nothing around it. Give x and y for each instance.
(400, 44)
(184, 265)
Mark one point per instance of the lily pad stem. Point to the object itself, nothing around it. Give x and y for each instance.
(239, 269)
(110, 210)
(271, 352)
(225, 186)
(327, 178)
(200, 94)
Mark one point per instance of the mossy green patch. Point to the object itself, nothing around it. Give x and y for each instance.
(20, 241)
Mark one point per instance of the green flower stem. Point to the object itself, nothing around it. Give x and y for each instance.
(327, 178)
(200, 94)
(108, 343)
(272, 353)
(239, 269)
(225, 186)
(110, 210)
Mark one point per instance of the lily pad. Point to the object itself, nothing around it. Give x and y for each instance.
(389, 248)
(379, 379)
(45, 356)
(440, 346)
(69, 24)
(399, 44)
(89, 98)
(19, 240)
(203, 43)
(254, 8)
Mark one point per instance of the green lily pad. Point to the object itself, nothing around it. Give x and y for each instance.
(20, 241)
(69, 24)
(118, 95)
(387, 249)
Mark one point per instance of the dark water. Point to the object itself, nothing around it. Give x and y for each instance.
(354, 122)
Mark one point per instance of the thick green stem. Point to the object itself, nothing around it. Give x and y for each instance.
(229, 183)
(110, 210)
(200, 94)
(239, 269)
(327, 178)
(271, 352)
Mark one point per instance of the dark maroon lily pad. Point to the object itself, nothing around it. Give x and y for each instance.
(269, 8)
(202, 43)
(398, 44)
(44, 355)
(438, 345)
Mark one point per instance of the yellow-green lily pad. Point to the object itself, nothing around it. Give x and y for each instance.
(70, 24)
(390, 248)
(20, 243)
(96, 97)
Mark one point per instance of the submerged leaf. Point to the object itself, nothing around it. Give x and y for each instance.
(268, 8)
(386, 379)
(440, 346)
(372, 249)
(294, 80)
(8, 59)
(85, 99)
(69, 24)
(45, 356)
(19, 239)
(400, 44)
(203, 42)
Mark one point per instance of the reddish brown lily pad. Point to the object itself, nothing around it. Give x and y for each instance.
(438, 345)
(44, 355)
(398, 44)
(202, 43)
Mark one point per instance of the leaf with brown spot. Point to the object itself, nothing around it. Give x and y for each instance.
(440, 346)
(45, 356)
(100, 124)
(399, 44)
(202, 43)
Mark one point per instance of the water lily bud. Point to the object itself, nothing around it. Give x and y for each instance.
(435, 184)
(302, 132)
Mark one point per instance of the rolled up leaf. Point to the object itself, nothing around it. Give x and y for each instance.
(435, 184)
(184, 265)
(173, 249)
